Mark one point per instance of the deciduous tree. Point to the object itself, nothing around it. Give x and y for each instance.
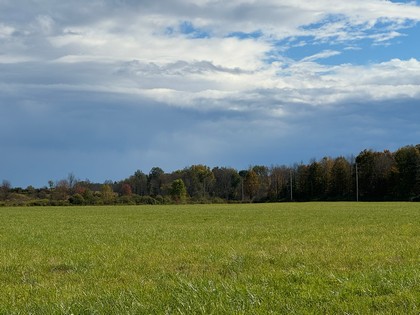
(227, 181)
(155, 181)
(251, 184)
(5, 190)
(408, 164)
(341, 181)
(126, 190)
(178, 191)
(107, 194)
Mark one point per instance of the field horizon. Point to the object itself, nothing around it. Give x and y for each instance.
(281, 258)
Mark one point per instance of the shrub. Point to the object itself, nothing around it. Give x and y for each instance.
(218, 200)
(38, 203)
(199, 200)
(90, 197)
(126, 200)
(77, 199)
(59, 203)
(146, 200)
(416, 199)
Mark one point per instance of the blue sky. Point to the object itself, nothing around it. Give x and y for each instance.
(105, 87)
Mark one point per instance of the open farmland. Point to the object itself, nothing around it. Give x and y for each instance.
(330, 258)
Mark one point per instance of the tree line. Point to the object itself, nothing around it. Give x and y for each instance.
(371, 176)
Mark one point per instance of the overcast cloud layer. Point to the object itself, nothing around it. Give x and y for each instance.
(103, 88)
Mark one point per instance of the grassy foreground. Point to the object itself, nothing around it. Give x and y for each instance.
(322, 258)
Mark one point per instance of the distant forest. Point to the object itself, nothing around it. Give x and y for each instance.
(371, 176)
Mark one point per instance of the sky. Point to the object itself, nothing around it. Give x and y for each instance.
(103, 88)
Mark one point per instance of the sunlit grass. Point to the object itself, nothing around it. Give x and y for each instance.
(202, 259)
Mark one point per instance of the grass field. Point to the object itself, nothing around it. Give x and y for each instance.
(309, 258)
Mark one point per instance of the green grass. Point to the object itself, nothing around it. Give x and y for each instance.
(313, 258)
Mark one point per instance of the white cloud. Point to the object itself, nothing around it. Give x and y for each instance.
(322, 55)
(6, 31)
(130, 51)
(9, 59)
(45, 23)
(126, 25)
